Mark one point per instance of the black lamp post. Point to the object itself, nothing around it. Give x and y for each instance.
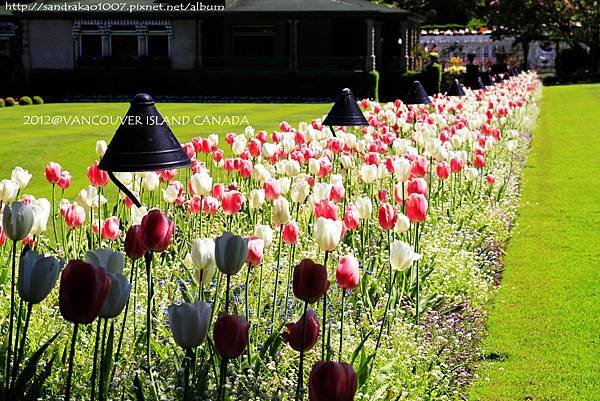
(345, 111)
(416, 94)
(455, 89)
(143, 142)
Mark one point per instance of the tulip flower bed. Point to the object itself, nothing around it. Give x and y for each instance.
(307, 266)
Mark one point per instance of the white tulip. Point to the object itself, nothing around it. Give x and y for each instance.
(101, 148)
(368, 173)
(201, 183)
(151, 181)
(364, 206)
(402, 169)
(256, 200)
(402, 255)
(260, 173)
(111, 261)
(402, 224)
(137, 214)
(21, 177)
(328, 233)
(9, 190)
(89, 197)
(313, 166)
(203, 258)
(170, 194)
(265, 233)
(281, 211)
(213, 139)
(299, 190)
(41, 213)
(285, 183)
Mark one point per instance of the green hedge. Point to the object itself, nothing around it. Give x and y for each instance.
(1, 102)
(25, 101)
(38, 100)
(9, 101)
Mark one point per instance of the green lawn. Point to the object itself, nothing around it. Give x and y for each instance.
(545, 328)
(73, 146)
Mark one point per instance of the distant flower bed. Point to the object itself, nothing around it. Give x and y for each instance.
(308, 265)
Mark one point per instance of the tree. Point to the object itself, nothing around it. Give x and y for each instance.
(442, 11)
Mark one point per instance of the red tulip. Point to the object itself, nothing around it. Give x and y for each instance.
(419, 167)
(479, 161)
(74, 216)
(290, 233)
(382, 195)
(83, 288)
(230, 335)
(256, 247)
(157, 231)
(2, 236)
(346, 273)
(110, 229)
(387, 216)
(272, 189)
(310, 281)
(134, 246)
(293, 333)
(337, 193)
(327, 209)
(64, 181)
(210, 205)
(442, 170)
(456, 165)
(416, 208)
(351, 218)
(97, 177)
(232, 202)
(332, 381)
(218, 191)
(417, 186)
(490, 179)
(52, 172)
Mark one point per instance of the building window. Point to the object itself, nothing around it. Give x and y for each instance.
(253, 40)
(4, 47)
(124, 44)
(91, 46)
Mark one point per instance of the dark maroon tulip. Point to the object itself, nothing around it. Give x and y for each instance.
(230, 335)
(332, 381)
(157, 231)
(83, 288)
(293, 335)
(134, 245)
(310, 281)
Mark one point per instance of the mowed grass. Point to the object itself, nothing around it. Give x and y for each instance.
(544, 340)
(73, 146)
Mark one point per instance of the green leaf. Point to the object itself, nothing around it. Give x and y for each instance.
(31, 367)
(107, 358)
(360, 347)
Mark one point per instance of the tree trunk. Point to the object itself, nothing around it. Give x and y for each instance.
(526, 46)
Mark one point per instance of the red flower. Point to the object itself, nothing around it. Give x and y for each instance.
(310, 281)
(293, 333)
(157, 231)
(387, 216)
(290, 233)
(256, 247)
(230, 335)
(134, 245)
(442, 170)
(416, 208)
(346, 272)
(351, 218)
(83, 288)
(232, 202)
(97, 177)
(327, 209)
(417, 186)
(332, 381)
(53, 172)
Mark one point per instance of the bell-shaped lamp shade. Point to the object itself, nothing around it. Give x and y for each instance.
(143, 142)
(416, 94)
(455, 89)
(345, 111)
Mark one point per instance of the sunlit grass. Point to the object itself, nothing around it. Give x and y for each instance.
(544, 331)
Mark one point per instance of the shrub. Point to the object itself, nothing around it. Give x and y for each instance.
(38, 100)
(25, 101)
(1, 102)
(374, 85)
(433, 78)
(10, 101)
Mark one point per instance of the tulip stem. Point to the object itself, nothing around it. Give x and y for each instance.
(22, 346)
(95, 363)
(189, 359)
(301, 365)
(12, 313)
(342, 324)
(417, 273)
(324, 312)
(276, 275)
(120, 341)
(102, 362)
(387, 306)
(227, 293)
(148, 260)
(53, 215)
(289, 278)
(71, 356)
